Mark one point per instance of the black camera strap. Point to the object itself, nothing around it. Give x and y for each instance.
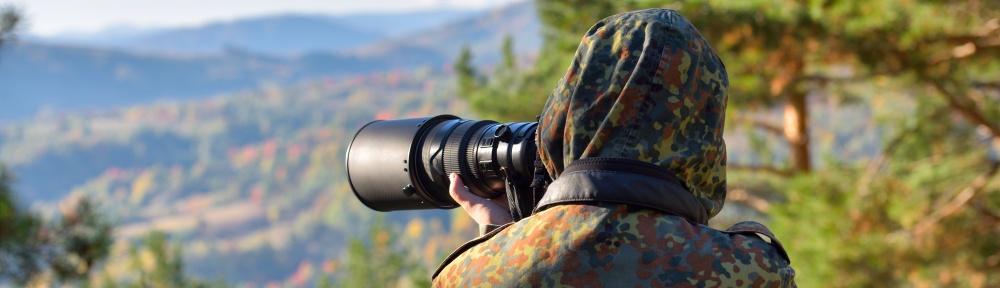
(514, 199)
(523, 197)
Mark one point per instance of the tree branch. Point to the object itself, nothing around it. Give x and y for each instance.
(843, 79)
(965, 50)
(989, 28)
(970, 113)
(986, 212)
(768, 169)
(985, 85)
(861, 78)
(864, 183)
(763, 125)
(748, 199)
(963, 197)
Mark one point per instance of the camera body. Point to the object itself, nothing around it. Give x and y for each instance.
(403, 164)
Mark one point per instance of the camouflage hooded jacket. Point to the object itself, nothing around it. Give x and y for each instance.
(632, 136)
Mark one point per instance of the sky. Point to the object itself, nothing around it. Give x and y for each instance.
(52, 17)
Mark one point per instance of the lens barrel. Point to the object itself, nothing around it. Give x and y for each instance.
(403, 164)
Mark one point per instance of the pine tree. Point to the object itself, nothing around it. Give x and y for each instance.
(33, 250)
(10, 18)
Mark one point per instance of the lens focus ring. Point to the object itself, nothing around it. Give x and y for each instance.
(453, 152)
(456, 156)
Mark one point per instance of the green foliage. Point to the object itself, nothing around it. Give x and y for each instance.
(10, 18)
(85, 237)
(507, 95)
(19, 229)
(381, 259)
(36, 251)
(908, 230)
(157, 263)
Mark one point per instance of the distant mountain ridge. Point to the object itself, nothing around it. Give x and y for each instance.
(35, 77)
(279, 35)
(282, 34)
(483, 34)
(38, 77)
(400, 24)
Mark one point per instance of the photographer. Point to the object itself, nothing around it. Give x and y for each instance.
(632, 138)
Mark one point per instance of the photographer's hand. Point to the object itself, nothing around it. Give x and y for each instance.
(483, 211)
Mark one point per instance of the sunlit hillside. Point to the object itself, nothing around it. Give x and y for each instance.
(252, 183)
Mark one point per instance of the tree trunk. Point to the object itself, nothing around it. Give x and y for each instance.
(797, 132)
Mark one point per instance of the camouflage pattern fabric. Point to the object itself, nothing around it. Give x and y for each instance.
(644, 85)
(615, 245)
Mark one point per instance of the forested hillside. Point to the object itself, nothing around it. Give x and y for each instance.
(251, 183)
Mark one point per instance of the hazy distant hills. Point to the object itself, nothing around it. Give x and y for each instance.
(279, 35)
(401, 24)
(36, 77)
(40, 76)
(286, 34)
(484, 34)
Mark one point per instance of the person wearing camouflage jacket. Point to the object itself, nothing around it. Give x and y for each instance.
(632, 138)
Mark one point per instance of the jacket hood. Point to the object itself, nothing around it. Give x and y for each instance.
(644, 85)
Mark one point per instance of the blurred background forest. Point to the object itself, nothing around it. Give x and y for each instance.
(866, 134)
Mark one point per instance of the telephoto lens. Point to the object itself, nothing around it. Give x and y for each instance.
(404, 164)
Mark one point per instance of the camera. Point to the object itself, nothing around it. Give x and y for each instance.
(403, 164)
